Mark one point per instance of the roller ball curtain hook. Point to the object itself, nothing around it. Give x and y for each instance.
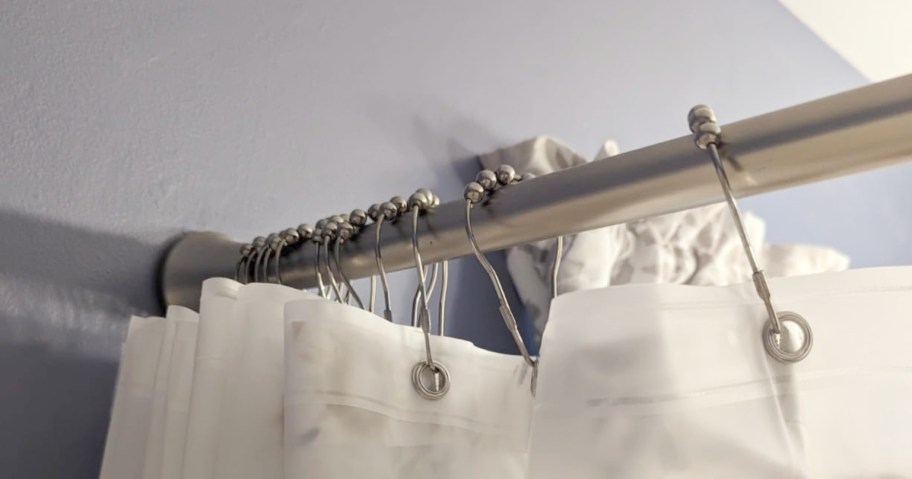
(707, 136)
(486, 183)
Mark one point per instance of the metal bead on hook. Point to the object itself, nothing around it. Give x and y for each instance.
(291, 236)
(357, 217)
(487, 179)
(273, 241)
(420, 199)
(373, 212)
(400, 203)
(330, 229)
(345, 230)
(474, 192)
(426, 192)
(306, 231)
(390, 210)
(505, 174)
(703, 125)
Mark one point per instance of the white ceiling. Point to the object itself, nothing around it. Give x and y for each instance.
(875, 36)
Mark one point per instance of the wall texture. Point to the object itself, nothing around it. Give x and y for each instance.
(123, 123)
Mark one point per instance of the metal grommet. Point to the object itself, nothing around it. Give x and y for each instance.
(793, 342)
(431, 382)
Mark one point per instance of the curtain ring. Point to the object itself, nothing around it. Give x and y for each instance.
(272, 246)
(381, 213)
(259, 244)
(287, 238)
(430, 378)
(707, 136)
(346, 231)
(321, 285)
(476, 192)
(358, 218)
(246, 249)
(329, 230)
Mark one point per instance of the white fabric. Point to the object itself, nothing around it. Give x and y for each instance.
(167, 424)
(697, 246)
(215, 344)
(180, 382)
(132, 409)
(242, 436)
(351, 410)
(156, 438)
(252, 425)
(647, 381)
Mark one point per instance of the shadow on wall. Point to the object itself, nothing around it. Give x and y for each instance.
(66, 295)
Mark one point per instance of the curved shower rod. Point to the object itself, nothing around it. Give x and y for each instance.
(862, 129)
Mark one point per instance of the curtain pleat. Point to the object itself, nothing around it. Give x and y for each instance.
(638, 381)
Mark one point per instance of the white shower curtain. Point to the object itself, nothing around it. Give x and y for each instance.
(131, 412)
(352, 411)
(644, 381)
(634, 381)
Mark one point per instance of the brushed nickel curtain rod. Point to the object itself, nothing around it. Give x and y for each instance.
(862, 129)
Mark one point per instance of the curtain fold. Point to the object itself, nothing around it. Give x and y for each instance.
(647, 381)
(634, 381)
(351, 409)
(131, 411)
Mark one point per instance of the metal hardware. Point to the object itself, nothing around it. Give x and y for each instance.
(792, 342)
(707, 136)
(858, 130)
(432, 381)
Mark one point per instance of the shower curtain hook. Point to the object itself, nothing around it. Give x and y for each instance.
(381, 213)
(287, 238)
(476, 192)
(707, 136)
(358, 218)
(330, 230)
(316, 235)
(432, 284)
(246, 249)
(259, 244)
(346, 231)
(272, 246)
(419, 202)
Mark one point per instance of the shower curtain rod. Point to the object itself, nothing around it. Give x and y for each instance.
(862, 129)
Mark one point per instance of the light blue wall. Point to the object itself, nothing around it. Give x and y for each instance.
(123, 123)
